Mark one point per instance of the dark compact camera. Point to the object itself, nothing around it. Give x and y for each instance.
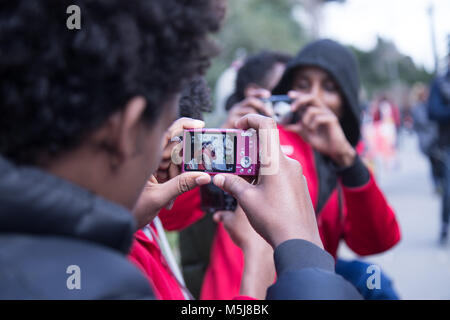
(215, 199)
(281, 106)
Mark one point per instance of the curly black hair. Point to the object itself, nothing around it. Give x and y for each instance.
(255, 70)
(195, 99)
(58, 85)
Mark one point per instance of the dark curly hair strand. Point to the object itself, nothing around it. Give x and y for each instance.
(58, 85)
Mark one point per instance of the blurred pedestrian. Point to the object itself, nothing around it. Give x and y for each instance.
(427, 132)
(324, 81)
(386, 122)
(439, 111)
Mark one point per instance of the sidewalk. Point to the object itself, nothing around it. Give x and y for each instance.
(420, 269)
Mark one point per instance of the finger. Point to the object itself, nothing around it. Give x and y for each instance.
(258, 105)
(239, 113)
(301, 100)
(321, 119)
(227, 218)
(245, 111)
(217, 217)
(234, 185)
(162, 176)
(153, 179)
(258, 93)
(176, 129)
(186, 123)
(164, 165)
(256, 122)
(309, 114)
(167, 151)
(293, 94)
(223, 216)
(181, 184)
(174, 171)
(261, 94)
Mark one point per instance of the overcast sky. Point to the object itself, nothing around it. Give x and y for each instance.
(406, 22)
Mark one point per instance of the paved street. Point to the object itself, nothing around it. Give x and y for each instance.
(419, 268)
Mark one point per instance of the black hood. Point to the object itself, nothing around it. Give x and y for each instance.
(341, 64)
(35, 202)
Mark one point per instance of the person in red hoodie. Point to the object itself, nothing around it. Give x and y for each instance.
(260, 71)
(324, 83)
(151, 252)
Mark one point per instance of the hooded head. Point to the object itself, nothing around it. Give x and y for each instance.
(340, 63)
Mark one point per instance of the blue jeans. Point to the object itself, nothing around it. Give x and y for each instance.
(445, 155)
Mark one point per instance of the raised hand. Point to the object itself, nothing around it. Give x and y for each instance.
(320, 127)
(279, 207)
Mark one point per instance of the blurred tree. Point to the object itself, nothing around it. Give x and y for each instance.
(254, 25)
(313, 9)
(384, 66)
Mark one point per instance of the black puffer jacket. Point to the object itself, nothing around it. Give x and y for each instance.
(47, 225)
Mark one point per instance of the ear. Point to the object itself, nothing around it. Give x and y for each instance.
(130, 131)
(121, 135)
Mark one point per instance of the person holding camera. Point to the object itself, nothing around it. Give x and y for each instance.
(260, 73)
(323, 81)
(151, 252)
(84, 114)
(84, 119)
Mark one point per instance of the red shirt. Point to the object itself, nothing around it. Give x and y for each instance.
(147, 256)
(367, 223)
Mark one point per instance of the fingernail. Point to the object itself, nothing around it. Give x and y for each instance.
(219, 180)
(266, 93)
(199, 123)
(203, 179)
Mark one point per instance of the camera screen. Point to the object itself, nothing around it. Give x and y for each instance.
(210, 151)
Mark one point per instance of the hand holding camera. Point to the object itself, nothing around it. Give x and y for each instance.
(279, 207)
(253, 104)
(320, 127)
(167, 183)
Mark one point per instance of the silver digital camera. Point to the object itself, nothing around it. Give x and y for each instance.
(281, 106)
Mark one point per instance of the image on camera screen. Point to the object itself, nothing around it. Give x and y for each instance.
(210, 152)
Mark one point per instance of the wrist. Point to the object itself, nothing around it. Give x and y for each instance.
(253, 249)
(259, 271)
(345, 157)
(315, 239)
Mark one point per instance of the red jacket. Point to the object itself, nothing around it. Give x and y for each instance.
(147, 256)
(367, 223)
